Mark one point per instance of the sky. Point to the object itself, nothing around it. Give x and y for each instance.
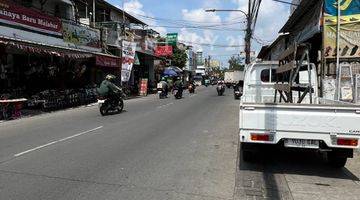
(216, 30)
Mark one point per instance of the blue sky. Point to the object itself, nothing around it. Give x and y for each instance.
(222, 28)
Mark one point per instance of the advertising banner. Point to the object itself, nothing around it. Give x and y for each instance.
(81, 35)
(128, 55)
(143, 86)
(164, 51)
(349, 39)
(15, 15)
(171, 39)
(349, 29)
(347, 7)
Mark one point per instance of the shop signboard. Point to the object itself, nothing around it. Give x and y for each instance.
(143, 86)
(128, 59)
(81, 35)
(349, 29)
(106, 61)
(164, 51)
(171, 39)
(17, 16)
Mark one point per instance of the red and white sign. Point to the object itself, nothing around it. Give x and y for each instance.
(164, 51)
(128, 59)
(143, 86)
(17, 15)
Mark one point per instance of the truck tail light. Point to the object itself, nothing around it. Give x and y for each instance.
(347, 142)
(260, 137)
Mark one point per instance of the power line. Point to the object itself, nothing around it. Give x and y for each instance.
(186, 21)
(285, 2)
(211, 45)
(200, 28)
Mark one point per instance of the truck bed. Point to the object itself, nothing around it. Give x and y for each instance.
(300, 121)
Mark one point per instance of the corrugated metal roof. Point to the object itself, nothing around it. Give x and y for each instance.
(298, 14)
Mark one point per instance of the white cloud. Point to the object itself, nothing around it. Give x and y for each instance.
(135, 7)
(196, 39)
(199, 15)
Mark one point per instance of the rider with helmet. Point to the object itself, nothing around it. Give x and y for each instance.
(108, 88)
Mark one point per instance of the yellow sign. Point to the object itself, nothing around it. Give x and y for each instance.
(349, 36)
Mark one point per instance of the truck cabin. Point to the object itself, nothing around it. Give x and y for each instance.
(260, 78)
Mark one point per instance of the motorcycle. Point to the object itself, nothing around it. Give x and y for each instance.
(114, 104)
(177, 93)
(220, 90)
(237, 94)
(191, 88)
(161, 91)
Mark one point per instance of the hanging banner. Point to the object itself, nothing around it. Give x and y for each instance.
(81, 35)
(164, 51)
(171, 39)
(349, 29)
(15, 15)
(128, 55)
(347, 7)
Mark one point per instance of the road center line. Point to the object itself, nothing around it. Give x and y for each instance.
(57, 141)
(162, 106)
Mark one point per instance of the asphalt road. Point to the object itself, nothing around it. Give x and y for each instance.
(155, 149)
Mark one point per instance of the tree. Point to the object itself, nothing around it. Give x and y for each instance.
(235, 63)
(179, 58)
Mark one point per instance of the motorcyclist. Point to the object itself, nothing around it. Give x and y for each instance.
(165, 85)
(238, 86)
(178, 85)
(192, 83)
(108, 88)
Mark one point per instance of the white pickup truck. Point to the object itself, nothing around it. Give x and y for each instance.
(332, 128)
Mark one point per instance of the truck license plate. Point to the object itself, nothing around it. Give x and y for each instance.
(301, 143)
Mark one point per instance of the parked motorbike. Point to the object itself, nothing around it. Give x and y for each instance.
(220, 90)
(112, 104)
(191, 88)
(177, 93)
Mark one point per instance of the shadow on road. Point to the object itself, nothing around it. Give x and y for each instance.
(263, 177)
(292, 161)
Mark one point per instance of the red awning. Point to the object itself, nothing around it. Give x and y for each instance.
(108, 61)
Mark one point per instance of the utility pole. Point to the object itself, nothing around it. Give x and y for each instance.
(248, 35)
(251, 18)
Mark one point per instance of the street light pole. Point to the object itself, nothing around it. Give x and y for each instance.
(248, 32)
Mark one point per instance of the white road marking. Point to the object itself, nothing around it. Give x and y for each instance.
(57, 141)
(162, 106)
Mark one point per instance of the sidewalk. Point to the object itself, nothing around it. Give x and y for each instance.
(27, 113)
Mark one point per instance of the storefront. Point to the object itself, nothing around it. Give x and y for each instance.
(52, 77)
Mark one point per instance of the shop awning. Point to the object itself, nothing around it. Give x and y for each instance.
(172, 71)
(299, 15)
(38, 48)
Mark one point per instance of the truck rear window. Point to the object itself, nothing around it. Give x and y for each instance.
(265, 75)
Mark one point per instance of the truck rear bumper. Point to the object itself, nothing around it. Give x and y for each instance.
(326, 140)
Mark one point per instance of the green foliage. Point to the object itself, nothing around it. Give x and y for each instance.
(179, 58)
(235, 63)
